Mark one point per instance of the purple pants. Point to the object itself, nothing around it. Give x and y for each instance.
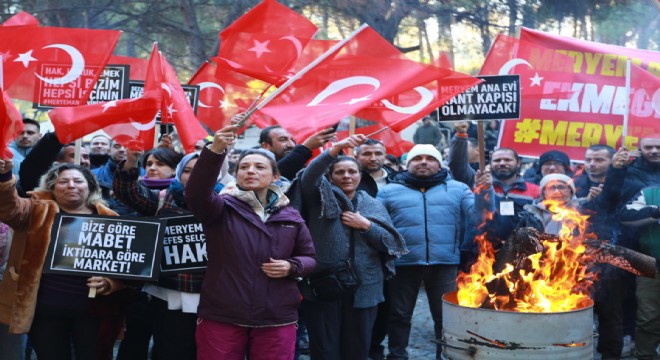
(231, 342)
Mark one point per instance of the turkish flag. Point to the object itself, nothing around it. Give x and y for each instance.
(444, 61)
(176, 109)
(11, 125)
(403, 109)
(265, 43)
(137, 66)
(61, 63)
(393, 142)
(223, 94)
(644, 113)
(314, 49)
(129, 121)
(501, 50)
(504, 57)
(21, 19)
(363, 71)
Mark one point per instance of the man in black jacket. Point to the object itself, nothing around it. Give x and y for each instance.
(290, 157)
(371, 157)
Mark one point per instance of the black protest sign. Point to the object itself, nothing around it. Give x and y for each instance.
(112, 85)
(184, 245)
(498, 97)
(191, 91)
(112, 246)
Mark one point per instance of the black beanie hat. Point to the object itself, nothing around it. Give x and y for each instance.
(555, 155)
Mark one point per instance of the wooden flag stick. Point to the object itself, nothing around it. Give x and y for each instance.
(251, 108)
(92, 293)
(482, 147)
(378, 131)
(76, 155)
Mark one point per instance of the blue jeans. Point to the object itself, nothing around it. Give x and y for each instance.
(403, 290)
(13, 346)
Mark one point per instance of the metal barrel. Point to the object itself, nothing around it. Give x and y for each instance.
(470, 333)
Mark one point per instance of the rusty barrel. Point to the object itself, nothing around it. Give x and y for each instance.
(470, 333)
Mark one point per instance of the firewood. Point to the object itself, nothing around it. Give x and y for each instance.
(526, 241)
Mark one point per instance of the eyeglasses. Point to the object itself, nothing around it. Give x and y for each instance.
(561, 188)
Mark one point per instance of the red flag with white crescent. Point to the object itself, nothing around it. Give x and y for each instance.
(365, 70)
(176, 109)
(129, 121)
(60, 63)
(265, 43)
(223, 93)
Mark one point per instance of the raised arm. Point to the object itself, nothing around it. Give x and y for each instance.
(126, 187)
(202, 201)
(458, 156)
(14, 211)
(38, 161)
(296, 159)
(313, 174)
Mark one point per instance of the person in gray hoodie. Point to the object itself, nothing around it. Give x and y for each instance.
(337, 214)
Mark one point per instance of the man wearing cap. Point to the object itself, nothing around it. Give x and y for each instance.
(550, 162)
(555, 188)
(426, 207)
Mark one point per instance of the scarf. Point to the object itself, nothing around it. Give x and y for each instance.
(422, 183)
(275, 198)
(334, 202)
(157, 184)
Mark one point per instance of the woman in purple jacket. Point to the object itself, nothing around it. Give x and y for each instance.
(257, 246)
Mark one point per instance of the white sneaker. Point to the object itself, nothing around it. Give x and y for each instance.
(628, 346)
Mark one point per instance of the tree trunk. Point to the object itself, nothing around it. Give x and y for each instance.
(195, 43)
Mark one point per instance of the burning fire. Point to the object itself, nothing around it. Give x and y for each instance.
(552, 280)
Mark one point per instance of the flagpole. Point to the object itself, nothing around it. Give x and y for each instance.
(378, 131)
(302, 72)
(626, 113)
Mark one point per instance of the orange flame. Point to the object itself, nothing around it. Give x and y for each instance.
(556, 280)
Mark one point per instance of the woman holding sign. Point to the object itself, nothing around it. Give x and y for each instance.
(54, 308)
(257, 246)
(169, 311)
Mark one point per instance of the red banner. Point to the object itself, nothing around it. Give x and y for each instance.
(592, 112)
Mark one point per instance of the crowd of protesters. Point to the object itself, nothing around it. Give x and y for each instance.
(322, 254)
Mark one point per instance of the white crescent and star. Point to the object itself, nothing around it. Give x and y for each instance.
(25, 58)
(109, 104)
(77, 65)
(205, 85)
(509, 65)
(341, 84)
(260, 48)
(166, 88)
(143, 127)
(506, 68)
(296, 43)
(426, 99)
(170, 110)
